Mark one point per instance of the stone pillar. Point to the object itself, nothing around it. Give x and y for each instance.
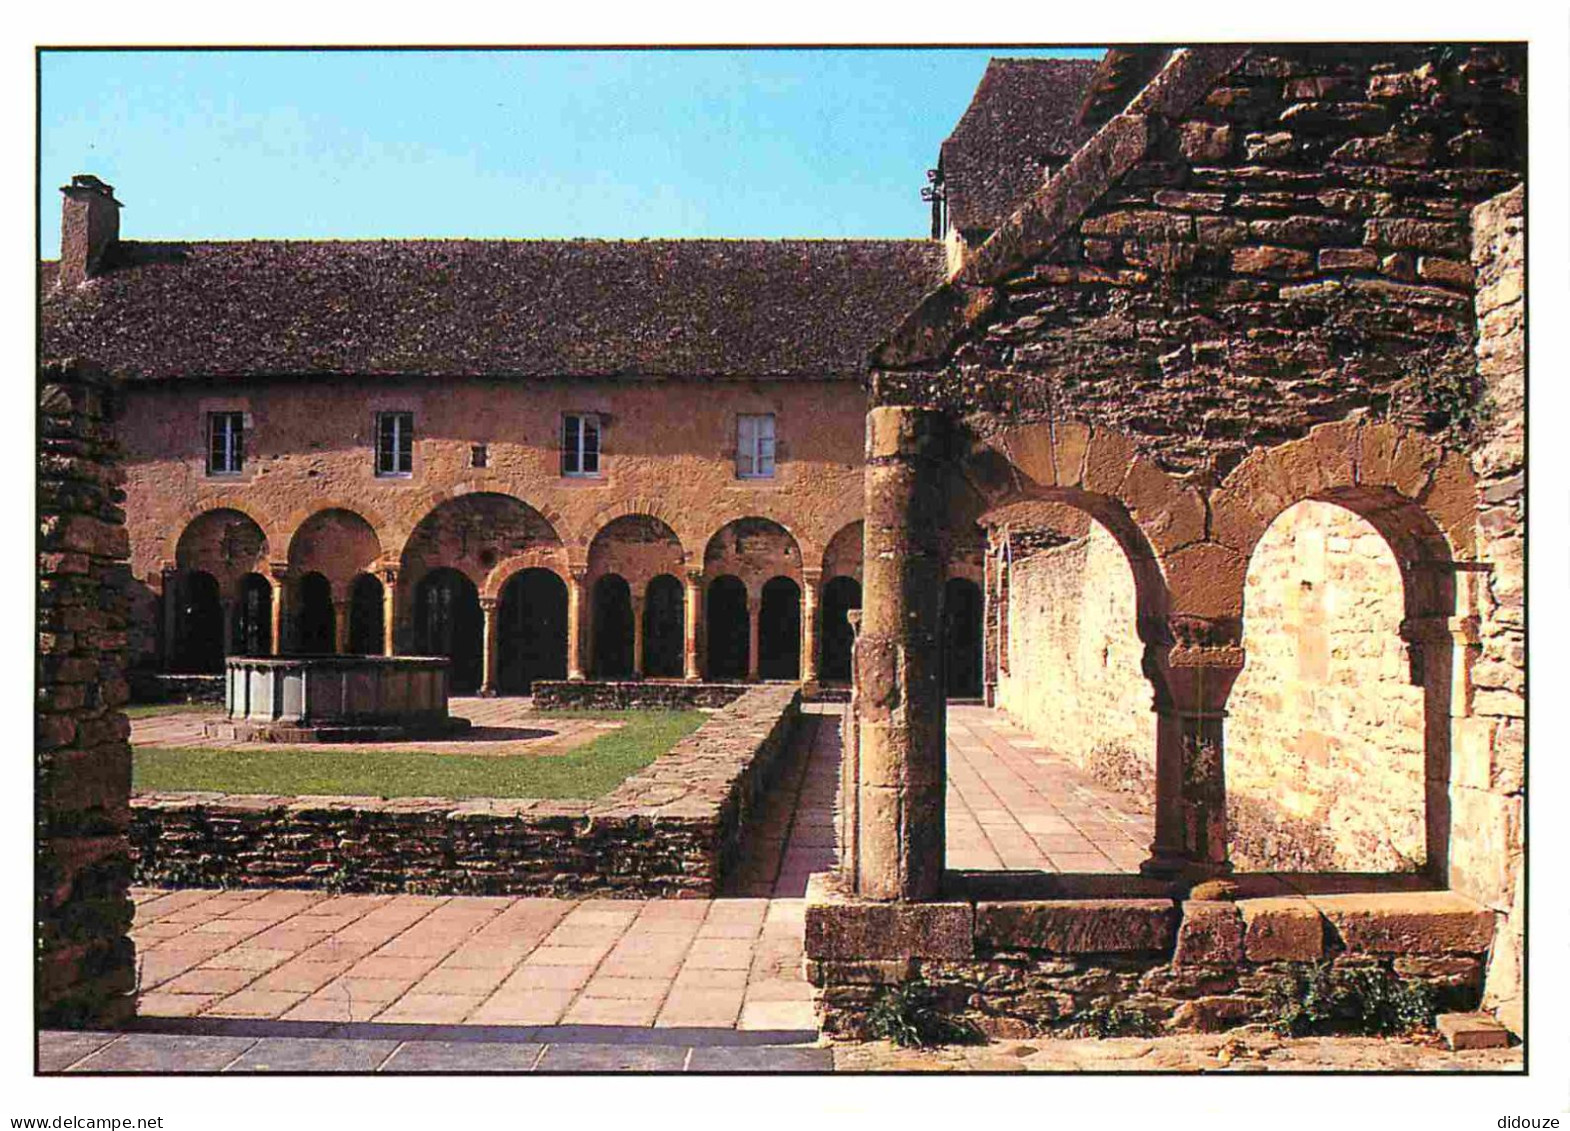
(389, 610)
(341, 627)
(1439, 654)
(754, 605)
(637, 638)
(228, 606)
(171, 580)
(488, 647)
(277, 579)
(84, 959)
(692, 623)
(811, 582)
(900, 710)
(575, 601)
(1196, 675)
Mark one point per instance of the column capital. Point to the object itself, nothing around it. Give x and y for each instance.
(693, 576)
(811, 575)
(488, 604)
(389, 573)
(278, 571)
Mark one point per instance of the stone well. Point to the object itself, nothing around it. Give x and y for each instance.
(335, 699)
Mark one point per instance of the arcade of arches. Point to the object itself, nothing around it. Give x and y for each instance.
(485, 580)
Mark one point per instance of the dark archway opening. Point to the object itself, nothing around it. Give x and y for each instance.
(253, 617)
(532, 622)
(840, 597)
(313, 631)
(779, 630)
(448, 623)
(962, 615)
(613, 628)
(726, 616)
(663, 635)
(199, 642)
(365, 617)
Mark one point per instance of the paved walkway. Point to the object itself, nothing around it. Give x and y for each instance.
(1014, 804)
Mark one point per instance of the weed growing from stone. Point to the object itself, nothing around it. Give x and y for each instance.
(1363, 1000)
(907, 1015)
(1115, 1020)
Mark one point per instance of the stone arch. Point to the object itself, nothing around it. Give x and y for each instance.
(473, 532)
(384, 531)
(842, 554)
(754, 550)
(225, 542)
(427, 503)
(638, 546)
(223, 502)
(339, 544)
(658, 509)
(550, 558)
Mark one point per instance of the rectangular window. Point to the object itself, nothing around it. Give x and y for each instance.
(395, 443)
(755, 446)
(580, 444)
(225, 443)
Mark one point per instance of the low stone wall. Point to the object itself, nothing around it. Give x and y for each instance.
(639, 695)
(1019, 968)
(159, 687)
(672, 829)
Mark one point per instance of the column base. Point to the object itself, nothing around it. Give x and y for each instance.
(1166, 865)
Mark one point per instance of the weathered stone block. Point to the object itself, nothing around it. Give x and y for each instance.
(1408, 922)
(1078, 926)
(1281, 930)
(1210, 934)
(1472, 1031)
(839, 926)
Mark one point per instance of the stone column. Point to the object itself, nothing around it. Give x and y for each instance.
(637, 638)
(811, 582)
(228, 606)
(276, 578)
(389, 610)
(1439, 654)
(84, 961)
(341, 627)
(488, 647)
(171, 580)
(754, 605)
(1196, 675)
(575, 601)
(692, 622)
(900, 710)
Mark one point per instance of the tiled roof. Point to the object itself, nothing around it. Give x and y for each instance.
(515, 308)
(1023, 117)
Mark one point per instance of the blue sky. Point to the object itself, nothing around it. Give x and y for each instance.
(238, 145)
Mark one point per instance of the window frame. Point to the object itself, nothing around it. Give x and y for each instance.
(235, 442)
(753, 452)
(401, 448)
(572, 456)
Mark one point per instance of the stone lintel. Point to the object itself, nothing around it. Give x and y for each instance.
(841, 926)
(1426, 922)
(1281, 930)
(1078, 926)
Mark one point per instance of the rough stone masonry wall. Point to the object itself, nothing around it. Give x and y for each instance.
(1073, 676)
(86, 962)
(671, 830)
(1291, 249)
(1069, 967)
(1325, 728)
(641, 695)
(1488, 761)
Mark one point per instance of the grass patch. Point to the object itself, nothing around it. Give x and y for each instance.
(591, 770)
(151, 710)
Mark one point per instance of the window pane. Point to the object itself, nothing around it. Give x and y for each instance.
(765, 455)
(766, 428)
(591, 445)
(215, 449)
(569, 445)
(236, 442)
(384, 443)
(405, 441)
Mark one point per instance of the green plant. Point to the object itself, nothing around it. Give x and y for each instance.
(1114, 1020)
(1449, 400)
(1365, 1000)
(908, 1015)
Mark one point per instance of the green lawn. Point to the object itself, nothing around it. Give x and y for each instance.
(589, 771)
(148, 710)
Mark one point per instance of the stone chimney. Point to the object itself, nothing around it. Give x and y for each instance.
(89, 224)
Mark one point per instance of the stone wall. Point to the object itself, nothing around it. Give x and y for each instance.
(85, 969)
(671, 830)
(1067, 966)
(1324, 754)
(640, 695)
(1072, 676)
(1489, 760)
